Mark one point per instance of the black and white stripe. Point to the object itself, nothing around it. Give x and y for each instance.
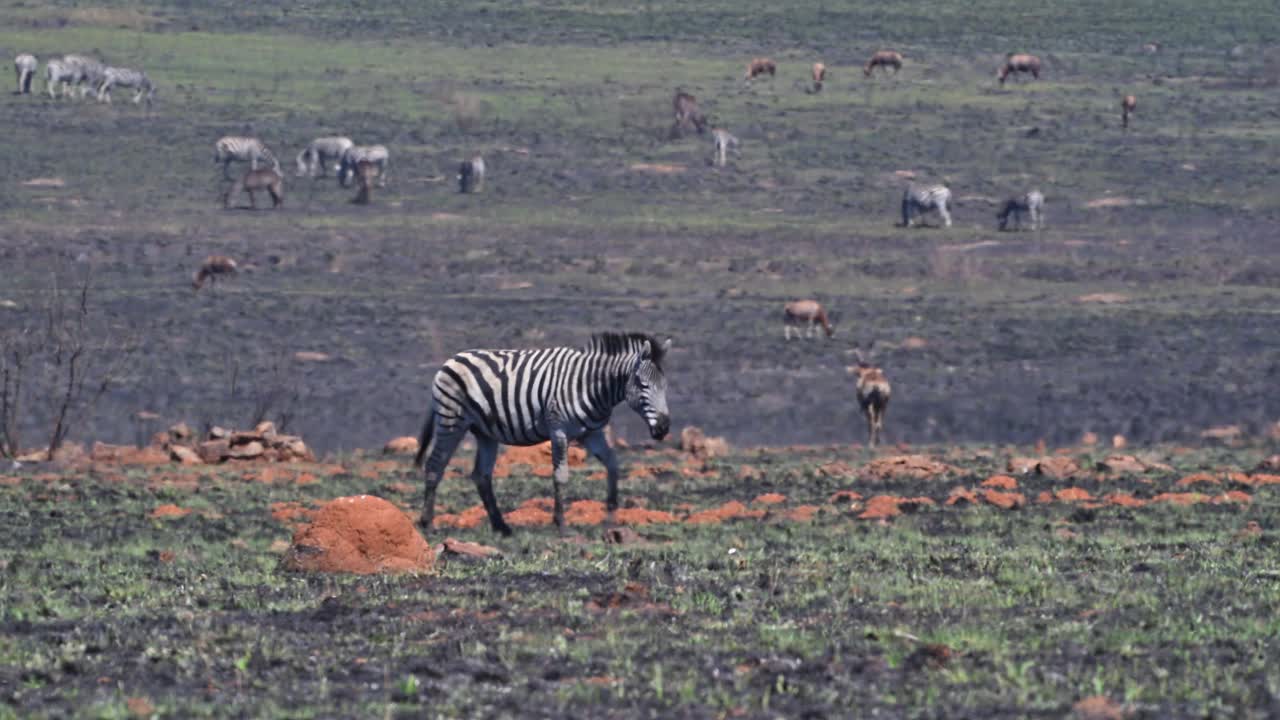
(525, 397)
(320, 152)
(1031, 203)
(918, 199)
(471, 175)
(376, 154)
(242, 149)
(88, 73)
(25, 66)
(126, 78)
(58, 74)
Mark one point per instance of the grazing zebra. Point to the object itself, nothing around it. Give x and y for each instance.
(923, 198)
(873, 396)
(58, 73)
(1031, 203)
(242, 149)
(1019, 63)
(723, 141)
(126, 78)
(525, 397)
(269, 179)
(687, 113)
(320, 152)
(89, 73)
(471, 175)
(805, 316)
(883, 59)
(376, 154)
(25, 66)
(1127, 105)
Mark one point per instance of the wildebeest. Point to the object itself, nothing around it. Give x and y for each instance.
(269, 179)
(471, 175)
(807, 315)
(1019, 63)
(366, 173)
(760, 66)
(819, 76)
(883, 59)
(1031, 203)
(687, 113)
(212, 267)
(873, 392)
(1128, 104)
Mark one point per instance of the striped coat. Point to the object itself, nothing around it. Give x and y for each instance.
(25, 66)
(320, 152)
(231, 149)
(1031, 203)
(376, 154)
(918, 199)
(126, 78)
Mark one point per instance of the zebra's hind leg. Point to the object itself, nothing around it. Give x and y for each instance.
(482, 476)
(446, 442)
(598, 446)
(559, 473)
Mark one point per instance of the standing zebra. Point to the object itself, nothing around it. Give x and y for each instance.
(923, 198)
(320, 153)
(525, 397)
(88, 73)
(376, 154)
(59, 74)
(242, 149)
(723, 140)
(1031, 203)
(25, 65)
(471, 175)
(126, 78)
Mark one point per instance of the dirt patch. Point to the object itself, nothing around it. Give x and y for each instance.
(1116, 201)
(728, 511)
(536, 457)
(1004, 500)
(53, 182)
(1103, 298)
(1099, 707)
(405, 445)
(1055, 467)
(910, 467)
(1189, 498)
(361, 534)
(658, 168)
(1000, 482)
(883, 507)
(169, 511)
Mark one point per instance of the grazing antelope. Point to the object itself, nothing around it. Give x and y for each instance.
(212, 267)
(1031, 203)
(918, 199)
(687, 113)
(873, 396)
(884, 59)
(366, 173)
(760, 66)
(807, 314)
(1127, 106)
(1019, 63)
(269, 179)
(25, 65)
(723, 141)
(819, 76)
(471, 175)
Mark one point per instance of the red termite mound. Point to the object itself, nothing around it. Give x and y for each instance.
(361, 534)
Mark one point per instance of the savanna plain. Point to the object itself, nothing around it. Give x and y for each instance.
(1048, 530)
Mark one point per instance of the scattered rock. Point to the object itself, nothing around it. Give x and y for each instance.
(214, 451)
(1055, 466)
(1223, 434)
(1103, 298)
(1088, 439)
(361, 534)
(169, 510)
(1099, 707)
(405, 445)
(180, 433)
(461, 548)
(1118, 442)
(246, 451)
(915, 467)
(185, 455)
(1123, 464)
(128, 455)
(698, 444)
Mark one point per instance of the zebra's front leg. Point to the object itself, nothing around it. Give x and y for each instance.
(559, 473)
(598, 446)
(482, 476)
(382, 175)
(946, 216)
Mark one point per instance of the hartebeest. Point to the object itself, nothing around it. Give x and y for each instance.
(873, 396)
(268, 179)
(761, 66)
(1127, 105)
(883, 59)
(1019, 63)
(212, 267)
(806, 314)
(687, 113)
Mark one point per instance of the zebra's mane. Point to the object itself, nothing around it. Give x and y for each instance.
(612, 343)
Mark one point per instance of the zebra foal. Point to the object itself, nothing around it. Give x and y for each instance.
(918, 199)
(242, 149)
(526, 397)
(25, 66)
(1031, 203)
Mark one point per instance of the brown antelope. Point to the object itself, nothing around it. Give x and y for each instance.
(1019, 63)
(884, 59)
(687, 113)
(268, 179)
(807, 314)
(366, 174)
(819, 76)
(760, 66)
(211, 268)
(1127, 106)
(873, 396)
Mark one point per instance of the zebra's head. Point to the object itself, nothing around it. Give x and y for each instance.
(647, 388)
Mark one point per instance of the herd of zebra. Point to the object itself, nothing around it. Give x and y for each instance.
(89, 75)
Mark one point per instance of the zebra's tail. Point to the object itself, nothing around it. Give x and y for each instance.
(428, 430)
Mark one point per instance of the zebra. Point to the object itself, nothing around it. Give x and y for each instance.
(1031, 203)
(243, 149)
(320, 152)
(471, 175)
(923, 198)
(89, 73)
(59, 74)
(25, 66)
(376, 154)
(723, 140)
(126, 78)
(525, 397)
